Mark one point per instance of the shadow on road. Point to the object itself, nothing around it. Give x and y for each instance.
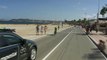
(50, 35)
(80, 33)
(95, 33)
(96, 54)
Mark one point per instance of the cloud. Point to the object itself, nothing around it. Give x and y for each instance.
(92, 16)
(3, 7)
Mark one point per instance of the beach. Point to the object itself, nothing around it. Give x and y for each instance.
(28, 31)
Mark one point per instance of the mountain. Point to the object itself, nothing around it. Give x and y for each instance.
(24, 21)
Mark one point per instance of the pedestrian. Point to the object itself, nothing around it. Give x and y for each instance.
(58, 27)
(87, 29)
(37, 29)
(96, 27)
(91, 28)
(96, 30)
(55, 31)
(41, 28)
(45, 29)
(62, 24)
(101, 45)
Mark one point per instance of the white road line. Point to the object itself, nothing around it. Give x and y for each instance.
(55, 47)
(96, 46)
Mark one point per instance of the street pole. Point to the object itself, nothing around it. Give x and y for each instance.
(98, 11)
(97, 27)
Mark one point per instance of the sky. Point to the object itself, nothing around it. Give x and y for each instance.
(50, 9)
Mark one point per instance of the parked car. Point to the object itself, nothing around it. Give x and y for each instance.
(14, 47)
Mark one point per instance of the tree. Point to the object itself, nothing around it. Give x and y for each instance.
(66, 21)
(103, 11)
(84, 20)
(74, 21)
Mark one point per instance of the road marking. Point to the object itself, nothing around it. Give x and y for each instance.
(55, 47)
(96, 46)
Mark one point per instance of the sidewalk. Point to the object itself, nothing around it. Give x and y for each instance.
(99, 36)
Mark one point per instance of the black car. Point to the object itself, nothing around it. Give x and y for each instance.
(14, 47)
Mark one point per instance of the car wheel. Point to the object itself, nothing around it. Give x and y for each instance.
(33, 54)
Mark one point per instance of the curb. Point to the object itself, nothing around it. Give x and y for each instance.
(97, 46)
(105, 55)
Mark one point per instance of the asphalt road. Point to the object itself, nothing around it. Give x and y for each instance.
(70, 44)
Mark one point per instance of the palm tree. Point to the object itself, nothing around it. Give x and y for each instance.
(103, 11)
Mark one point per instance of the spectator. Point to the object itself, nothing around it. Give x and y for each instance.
(96, 27)
(92, 27)
(41, 28)
(87, 29)
(58, 27)
(45, 29)
(55, 31)
(37, 29)
(62, 24)
(101, 45)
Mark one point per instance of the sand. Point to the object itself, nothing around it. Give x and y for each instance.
(29, 31)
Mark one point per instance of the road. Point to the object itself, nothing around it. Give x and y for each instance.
(70, 44)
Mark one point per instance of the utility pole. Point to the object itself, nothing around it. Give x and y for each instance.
(97, 27)
(98, 11)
